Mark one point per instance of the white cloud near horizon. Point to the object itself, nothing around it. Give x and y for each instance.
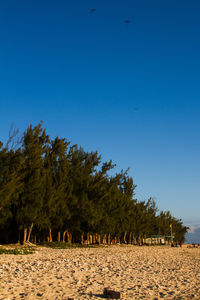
(192, 223)
(193, 229)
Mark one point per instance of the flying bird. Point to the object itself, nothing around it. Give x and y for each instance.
(127, 21)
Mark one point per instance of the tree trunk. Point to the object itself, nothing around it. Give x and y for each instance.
(130, 238)
(99, 239)
(19, 239)
(29, 233)
(50, 236)
(25, 234)
(70, 238)
(94, 239)
(133, 239)
(91, 239)
(104, 239)
(58, 236)
(109, 239)
(82, 238)
(88, 238)
(125, 237)
(34, 239)
(64, 234)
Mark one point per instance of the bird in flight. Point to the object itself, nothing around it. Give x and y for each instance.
(127, 21)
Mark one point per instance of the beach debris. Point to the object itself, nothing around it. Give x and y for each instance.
(39, 294)
(111, 294)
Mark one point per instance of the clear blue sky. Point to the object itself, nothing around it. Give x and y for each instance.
(130, 91)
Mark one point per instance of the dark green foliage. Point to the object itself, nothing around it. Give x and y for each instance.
(11, 182)
(61, 245)
(58, 185)
(167, 224)
(17, 250)
(31, 199)
(49, 188)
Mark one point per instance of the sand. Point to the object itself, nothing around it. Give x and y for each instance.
(138, 272)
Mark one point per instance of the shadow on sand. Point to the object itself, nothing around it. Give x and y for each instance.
(93, 295)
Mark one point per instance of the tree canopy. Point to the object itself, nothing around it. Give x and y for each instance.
(49, 187)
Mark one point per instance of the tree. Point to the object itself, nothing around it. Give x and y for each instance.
(52, 187)
(11, 184)
(34, 144)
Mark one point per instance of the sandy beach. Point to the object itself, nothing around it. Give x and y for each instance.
(137, 272)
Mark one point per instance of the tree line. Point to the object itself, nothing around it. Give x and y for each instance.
(52, 190)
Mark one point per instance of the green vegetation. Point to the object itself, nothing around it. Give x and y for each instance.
(17, 250)
(51, 190)
(63, 245)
